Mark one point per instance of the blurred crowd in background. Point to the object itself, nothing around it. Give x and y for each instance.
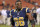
(5, 13)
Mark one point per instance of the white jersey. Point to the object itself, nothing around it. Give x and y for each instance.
(38, 11)
(3, 12)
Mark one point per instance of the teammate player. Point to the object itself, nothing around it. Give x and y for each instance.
(19, 16)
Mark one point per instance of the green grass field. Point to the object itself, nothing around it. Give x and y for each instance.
(10, 26)
(35, 25)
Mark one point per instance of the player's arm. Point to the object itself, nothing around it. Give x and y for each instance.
(30, 18)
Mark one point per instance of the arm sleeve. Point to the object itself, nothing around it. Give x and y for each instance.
(27, 10)
(12, 11)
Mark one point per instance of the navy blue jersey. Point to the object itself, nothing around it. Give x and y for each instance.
(21, 15)
(8, 13)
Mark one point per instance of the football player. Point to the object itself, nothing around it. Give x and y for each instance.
(19, 16)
